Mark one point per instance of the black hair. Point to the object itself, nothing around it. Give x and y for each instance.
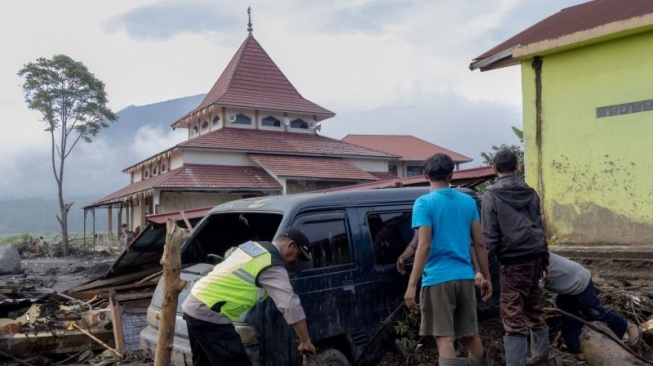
(505, 161)
(438, 167)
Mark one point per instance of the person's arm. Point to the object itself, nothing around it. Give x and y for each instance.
(276, 283)
(425, 236)
(544, 258)
(305, 344)
(478, 275)
(401, 261)
(489, 223)
(482, 258)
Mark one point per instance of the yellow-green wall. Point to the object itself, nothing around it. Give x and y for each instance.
(597, 173)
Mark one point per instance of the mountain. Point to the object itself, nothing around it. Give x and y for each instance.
(28, 198)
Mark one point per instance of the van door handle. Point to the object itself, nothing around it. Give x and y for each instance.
(348, 285)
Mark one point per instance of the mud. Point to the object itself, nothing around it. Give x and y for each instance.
(625, 285)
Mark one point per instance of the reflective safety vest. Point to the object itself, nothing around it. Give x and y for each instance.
(232, 287)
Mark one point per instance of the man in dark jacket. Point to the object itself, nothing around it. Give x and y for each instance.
(513, 231)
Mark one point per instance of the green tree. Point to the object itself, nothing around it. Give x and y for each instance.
(488, 157)
(73, 105)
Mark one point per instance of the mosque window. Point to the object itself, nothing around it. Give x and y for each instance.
(270, 122)
(205, 126)
(216, 120)
(242, 119)
(299, 123)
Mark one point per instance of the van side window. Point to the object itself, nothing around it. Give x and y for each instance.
(389, 232)
(329, 238)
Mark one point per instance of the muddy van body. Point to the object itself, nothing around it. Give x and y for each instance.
(347, 289)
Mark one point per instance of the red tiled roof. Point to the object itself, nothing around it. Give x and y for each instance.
(570, 20)
(252, 80)
(383, 175)
(310, 167)
(460, 177)
(406, 146)
(200, 177)
(254, 141)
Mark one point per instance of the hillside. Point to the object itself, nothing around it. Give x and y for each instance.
(93, 170)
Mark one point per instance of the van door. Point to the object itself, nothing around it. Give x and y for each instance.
(386, 232)
(327, 283)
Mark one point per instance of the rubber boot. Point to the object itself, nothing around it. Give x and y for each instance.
(516, 349)
(539, 347)
(473, 361)
(455, 361)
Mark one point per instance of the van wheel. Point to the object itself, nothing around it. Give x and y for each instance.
(329, 357)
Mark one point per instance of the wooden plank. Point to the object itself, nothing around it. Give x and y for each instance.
(116, 281)
(102, 292)
(116, 320)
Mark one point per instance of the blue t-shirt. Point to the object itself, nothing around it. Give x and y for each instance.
(450, 214)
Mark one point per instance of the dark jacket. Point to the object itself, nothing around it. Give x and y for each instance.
(512, 223)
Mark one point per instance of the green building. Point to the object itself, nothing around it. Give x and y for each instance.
(587, 89)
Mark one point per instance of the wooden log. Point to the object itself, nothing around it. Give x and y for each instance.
(116, 320)
(600, 350)
(171, 262)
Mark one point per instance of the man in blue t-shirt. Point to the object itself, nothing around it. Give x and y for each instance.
(447, 221)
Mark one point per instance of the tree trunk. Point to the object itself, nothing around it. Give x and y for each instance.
(600, 350)
(63, 220)
(171, 262)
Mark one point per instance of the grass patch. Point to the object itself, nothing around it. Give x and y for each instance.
(14, 239)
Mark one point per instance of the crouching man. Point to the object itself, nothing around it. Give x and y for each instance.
(253, 271)
(577, 296)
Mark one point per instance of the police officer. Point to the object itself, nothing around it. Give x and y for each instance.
(252, 271)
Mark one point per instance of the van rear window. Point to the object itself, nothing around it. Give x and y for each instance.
(221, 231)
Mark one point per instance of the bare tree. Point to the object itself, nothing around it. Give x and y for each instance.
(73, 105)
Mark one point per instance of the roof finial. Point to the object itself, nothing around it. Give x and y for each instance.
(249, 23)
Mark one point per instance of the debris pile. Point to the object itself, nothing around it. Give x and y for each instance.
(105, 313)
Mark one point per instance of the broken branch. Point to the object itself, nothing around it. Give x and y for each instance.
(74, 325)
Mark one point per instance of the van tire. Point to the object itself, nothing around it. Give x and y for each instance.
(330, 357)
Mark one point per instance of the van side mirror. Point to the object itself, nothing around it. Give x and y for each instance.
(214, 258)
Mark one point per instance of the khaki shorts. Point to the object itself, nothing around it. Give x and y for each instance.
(449, 309)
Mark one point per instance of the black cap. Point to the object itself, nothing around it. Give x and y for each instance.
(300, 239)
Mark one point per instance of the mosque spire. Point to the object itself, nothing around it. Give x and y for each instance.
(249, 16)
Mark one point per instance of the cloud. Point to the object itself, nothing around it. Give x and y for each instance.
(150, 140)
(442, 118)
(164, 20)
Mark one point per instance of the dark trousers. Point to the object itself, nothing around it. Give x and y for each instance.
(586, 305)
(215, 344)
(520, 298)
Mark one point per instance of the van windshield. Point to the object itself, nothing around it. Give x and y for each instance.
(221, 231)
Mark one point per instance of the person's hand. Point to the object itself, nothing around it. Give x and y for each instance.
(486, 290)
(409, 298)
(545, 273)
(400, 265)
(478, 279)
(306, 348)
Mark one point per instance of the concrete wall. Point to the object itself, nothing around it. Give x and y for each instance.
(370, 165)
(212, 158)
(595, 185)
(174, 201)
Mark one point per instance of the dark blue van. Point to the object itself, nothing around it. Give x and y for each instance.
(347, 289)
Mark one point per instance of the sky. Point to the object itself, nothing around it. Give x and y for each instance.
(383, 66)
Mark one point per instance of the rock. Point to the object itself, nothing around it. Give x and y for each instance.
(600, 350)
(9, 260)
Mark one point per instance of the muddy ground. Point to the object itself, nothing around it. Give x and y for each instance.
(625, 286)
